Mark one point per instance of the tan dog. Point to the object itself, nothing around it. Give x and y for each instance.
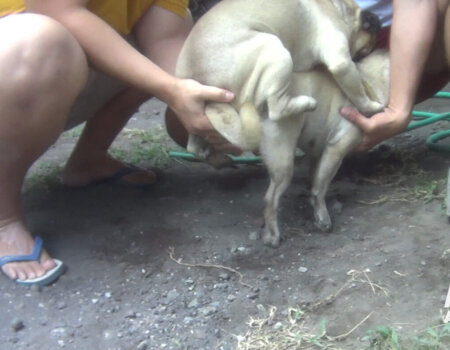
(322, 133)
(252, 47)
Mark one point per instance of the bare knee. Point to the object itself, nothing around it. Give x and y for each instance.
(40, 57)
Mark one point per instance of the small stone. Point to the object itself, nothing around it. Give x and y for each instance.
(194, 304)
(277, 326)
(36, 288)
(302, 269)
(445, 258)
(231, 297)
(17, 324)
(207, 310)
(253, 295)
(61, 305)
(225, 276)
(143, 345)
(130, 314)
(58, 333)
(107, 334)
(276, 278)
(172, 295)
(254, 235)
(337, 207)
(188, 320)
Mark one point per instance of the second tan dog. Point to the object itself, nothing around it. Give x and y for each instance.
(323, 134)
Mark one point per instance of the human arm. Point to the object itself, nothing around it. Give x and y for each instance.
(413, 29)
(110, 53)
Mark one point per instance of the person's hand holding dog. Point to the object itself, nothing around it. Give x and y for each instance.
(188, 102)
(377, 128)
(410, 44)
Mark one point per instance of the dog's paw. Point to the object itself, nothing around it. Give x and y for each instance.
(271, 239)
(324, 226)
(371, 108)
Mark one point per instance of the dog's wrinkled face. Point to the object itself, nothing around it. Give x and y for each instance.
(364, 39)
(364, 24)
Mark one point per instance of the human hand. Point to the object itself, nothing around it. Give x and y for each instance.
(377, 128)
(188, 103)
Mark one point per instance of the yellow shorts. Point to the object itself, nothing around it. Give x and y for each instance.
(121, 15)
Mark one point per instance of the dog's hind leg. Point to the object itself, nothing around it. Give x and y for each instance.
(278, 151)
(272, 78)
(326, 169)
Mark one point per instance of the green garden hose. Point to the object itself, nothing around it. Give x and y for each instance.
(424, 118)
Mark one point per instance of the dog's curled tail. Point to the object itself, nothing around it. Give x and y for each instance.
(242, 128)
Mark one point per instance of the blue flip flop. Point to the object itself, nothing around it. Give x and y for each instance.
(46, 279)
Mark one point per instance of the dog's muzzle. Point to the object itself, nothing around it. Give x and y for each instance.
(370, 22)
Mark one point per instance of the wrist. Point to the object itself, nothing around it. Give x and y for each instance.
(400, 116)
(169, 90)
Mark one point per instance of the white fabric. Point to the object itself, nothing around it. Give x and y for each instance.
(382, 8)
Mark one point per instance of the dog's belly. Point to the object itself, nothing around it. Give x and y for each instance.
(324, 125)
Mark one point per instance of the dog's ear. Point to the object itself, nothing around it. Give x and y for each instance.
(370, 22)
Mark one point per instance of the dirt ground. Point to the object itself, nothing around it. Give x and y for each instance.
(177, 266)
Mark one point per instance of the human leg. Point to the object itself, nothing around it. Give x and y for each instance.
(42, 69)
(160, 35)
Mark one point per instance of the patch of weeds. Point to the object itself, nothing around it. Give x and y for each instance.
(428, 189)
(422, 189)
(157, 155)
(288, 334)
(145, 146)
(74, 132)
(383, 338)
(45, 174)
(432, 338)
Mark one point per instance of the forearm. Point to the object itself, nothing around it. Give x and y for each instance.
(413, 29)
(106, 49)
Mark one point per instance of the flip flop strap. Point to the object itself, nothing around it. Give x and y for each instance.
(34, 256)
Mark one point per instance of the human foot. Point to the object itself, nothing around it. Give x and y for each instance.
(15, 240)
(105, 170)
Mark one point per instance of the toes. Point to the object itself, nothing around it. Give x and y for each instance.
(23, 271)
(10, 272)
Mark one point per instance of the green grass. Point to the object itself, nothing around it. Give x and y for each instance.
(46, 174)
(145, 146)
(297, 333)
(432, 338)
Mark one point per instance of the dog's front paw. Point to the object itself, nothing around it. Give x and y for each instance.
(371, 108)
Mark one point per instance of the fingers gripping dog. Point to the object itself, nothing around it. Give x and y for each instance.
(252, 47)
